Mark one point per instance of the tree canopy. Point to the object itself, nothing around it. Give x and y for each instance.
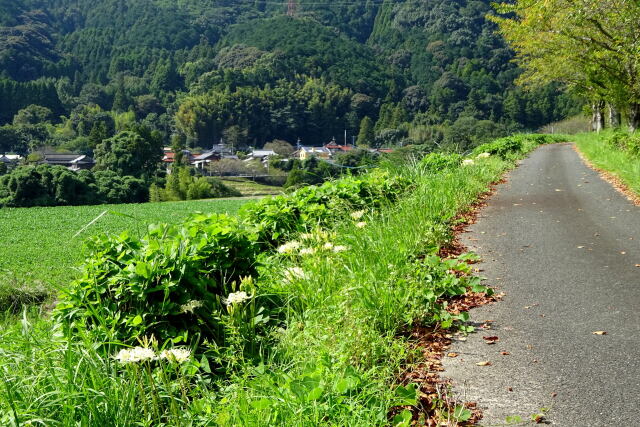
(591, 46)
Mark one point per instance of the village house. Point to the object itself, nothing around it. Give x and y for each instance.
(304, 153)
(169, 156)
(336, 148)
(10, 160)
(203, 160)
(262, 154)
(72, 161)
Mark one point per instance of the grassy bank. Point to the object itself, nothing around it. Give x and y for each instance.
(608, 157)
(316, 339)
(41, 247)
(340, 350)
(249, 188)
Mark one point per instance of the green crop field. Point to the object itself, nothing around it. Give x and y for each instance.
(40, 245)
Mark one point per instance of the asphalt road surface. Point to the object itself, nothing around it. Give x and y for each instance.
(564, 247)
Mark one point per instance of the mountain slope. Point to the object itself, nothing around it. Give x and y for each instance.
(436, 64)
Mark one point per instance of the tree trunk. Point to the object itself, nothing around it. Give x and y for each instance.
(614, 116)
(634, 116)
(597, 117)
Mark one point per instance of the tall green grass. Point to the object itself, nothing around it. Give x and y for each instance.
(609, 158)
(47, 381)
(351, 310)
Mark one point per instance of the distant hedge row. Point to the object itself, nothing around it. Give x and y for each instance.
(46, 185)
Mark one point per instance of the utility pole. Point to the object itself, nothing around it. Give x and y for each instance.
(292, 8)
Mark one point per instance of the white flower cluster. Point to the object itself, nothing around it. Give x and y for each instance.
(289, 247)
(294, 273)
(178, 355)
(468, 162)
(190, 306)
(483, 155)
(313, 243)
(361, 224)
(135, 355)
(330, 247)
(143, 354)
(236, 298)
(357, 214)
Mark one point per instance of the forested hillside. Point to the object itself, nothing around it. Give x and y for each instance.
(427, 72)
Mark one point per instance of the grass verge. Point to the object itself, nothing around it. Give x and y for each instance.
(622, 165)
(341, 349)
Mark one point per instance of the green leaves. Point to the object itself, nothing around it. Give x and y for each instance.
(406, 395)
(278, 218)
(169, 283)
(403, 419)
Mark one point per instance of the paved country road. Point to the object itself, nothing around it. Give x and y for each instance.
(563, 245)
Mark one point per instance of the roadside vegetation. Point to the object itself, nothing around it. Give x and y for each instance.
(290, 313)
(615, 152)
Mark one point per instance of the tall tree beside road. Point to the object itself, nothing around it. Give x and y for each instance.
(593, 46)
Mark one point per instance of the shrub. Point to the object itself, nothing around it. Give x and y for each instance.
(436, 162)
(181, 185)
(219, 189)
(629, 143)
(502, 147)
(511, 146)
(311, 172)
(114, 188)
(46, 185)
(279, 217)
(169, 284)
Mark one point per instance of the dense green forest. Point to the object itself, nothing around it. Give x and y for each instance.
(425, 72)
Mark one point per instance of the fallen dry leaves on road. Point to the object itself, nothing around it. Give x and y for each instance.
(490, 340)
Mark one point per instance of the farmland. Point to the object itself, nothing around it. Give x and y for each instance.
(37, 245)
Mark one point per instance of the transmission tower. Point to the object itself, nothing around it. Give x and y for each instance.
(292, 8)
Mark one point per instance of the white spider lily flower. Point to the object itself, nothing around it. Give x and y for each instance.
(467, 162)
(361, 224)
(135, 355)
(339, 248)
(236, 298)
(328, 246)
(357, 214)
(190, 306)
(483, 155)
(179, 355)
(288, 247)
(307, 251)
(294, 273)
